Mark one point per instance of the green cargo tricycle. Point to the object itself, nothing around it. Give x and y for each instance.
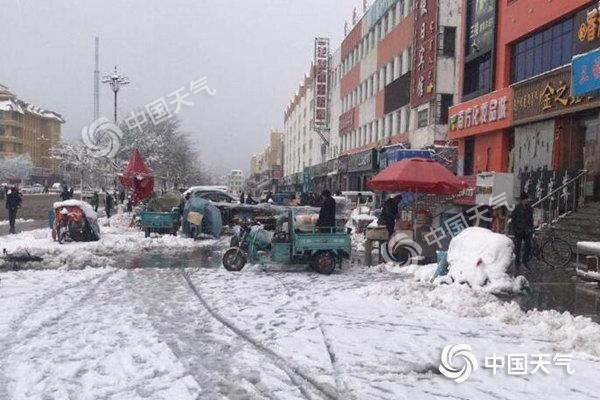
(322, 248)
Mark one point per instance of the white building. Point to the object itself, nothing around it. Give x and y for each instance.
(302, 146)
(235, 181)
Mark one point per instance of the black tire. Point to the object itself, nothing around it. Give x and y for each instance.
(234, 259)
(557, 253)
(194, 232)
(324, 262)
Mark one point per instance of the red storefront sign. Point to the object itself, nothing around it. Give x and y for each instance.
(490, 112)
(424, 52)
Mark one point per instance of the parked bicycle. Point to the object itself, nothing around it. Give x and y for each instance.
(552, 250)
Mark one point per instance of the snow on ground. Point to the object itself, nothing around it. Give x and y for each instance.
(115, 239)
(271, 333)
(18, 221)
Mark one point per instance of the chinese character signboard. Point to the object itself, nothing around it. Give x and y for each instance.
(586, 73)
(363, 161)
(481, 27)
(320, 117)
(487, 113)
(547, 97)
(587, 30)
(424, 52)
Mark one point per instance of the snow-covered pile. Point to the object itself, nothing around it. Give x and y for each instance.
(18, 221)
(117, 239)
(86, 207)
(479, 257)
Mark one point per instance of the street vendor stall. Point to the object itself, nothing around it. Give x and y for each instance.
(417, 176)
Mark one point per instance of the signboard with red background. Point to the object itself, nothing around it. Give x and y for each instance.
(487, 113)
(424, 52)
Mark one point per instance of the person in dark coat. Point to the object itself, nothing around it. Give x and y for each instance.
(108, 204)
(326, 219)
(66, 194)
(389, 213)
(13, 202)
(122, 196)
(242, 198)
(95, 201)
(522, 225)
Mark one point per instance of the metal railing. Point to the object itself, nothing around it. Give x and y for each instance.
(562, 201)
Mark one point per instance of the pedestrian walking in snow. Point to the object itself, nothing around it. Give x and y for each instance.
(13, 202)
(522, 225)
(242, 198)
(95, 202)
(326, 219)
(122, 196)
(108, 204)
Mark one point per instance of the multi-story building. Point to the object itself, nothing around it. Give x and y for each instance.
(392, 81)
(235, 181)
(266, 168)
(302, 145)
(28, 129)
(518, 109)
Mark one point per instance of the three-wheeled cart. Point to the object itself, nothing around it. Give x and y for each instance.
(322, 248)
(160, 222)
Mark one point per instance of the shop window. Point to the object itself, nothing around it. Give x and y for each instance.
(423, 118)
(543, 51)
(2, 130)
(478, 75)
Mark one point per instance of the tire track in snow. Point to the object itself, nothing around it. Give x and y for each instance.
(16, 325)
(294, 372)
(180, 334)
(340, 384)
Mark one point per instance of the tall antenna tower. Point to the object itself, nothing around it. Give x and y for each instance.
(97, 80)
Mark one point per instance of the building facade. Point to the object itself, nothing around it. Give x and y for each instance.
(391, 83)
(235, 181)
(517, 110)
(266, 168)
(28, 129)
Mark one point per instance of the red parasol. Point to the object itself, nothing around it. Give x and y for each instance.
(137, 178)
(417, 175)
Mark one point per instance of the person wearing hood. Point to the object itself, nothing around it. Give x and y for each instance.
(326, 220)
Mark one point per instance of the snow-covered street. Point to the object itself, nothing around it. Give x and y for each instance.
(276, 333)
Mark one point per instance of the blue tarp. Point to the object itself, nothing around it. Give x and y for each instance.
(212, 224)
(391, 155)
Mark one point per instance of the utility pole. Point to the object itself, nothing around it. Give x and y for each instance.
(97, 79)
(115, 81)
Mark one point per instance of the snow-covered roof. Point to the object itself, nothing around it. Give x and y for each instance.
(32, 109)
(86, 207)
(10, 105)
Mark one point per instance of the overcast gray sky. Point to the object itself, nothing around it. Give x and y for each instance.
(253, 52)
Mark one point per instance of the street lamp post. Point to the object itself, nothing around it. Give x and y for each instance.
(116, 81)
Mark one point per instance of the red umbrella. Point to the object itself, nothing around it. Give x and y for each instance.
(137, 178)
(417, 175)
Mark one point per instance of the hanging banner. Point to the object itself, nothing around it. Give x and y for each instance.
(320, 117)
(424, 52)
